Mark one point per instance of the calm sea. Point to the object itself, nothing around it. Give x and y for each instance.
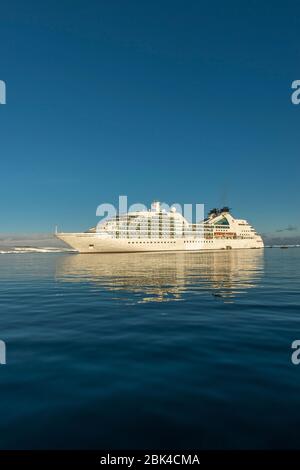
(150, 350)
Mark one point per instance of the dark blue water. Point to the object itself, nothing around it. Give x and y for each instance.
(150, 350)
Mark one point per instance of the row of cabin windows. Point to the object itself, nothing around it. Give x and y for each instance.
(158, 227)
(148, 242)
(177, 237)
(147, 226)
(185, 241)
(171, 226)
(152, 235)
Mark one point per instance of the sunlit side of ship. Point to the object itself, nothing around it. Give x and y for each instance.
(160, 230)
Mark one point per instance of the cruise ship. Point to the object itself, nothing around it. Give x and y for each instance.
(160, 230)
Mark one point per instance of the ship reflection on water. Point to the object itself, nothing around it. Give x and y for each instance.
(162, 277)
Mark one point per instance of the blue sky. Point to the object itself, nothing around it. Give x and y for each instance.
(181, 101)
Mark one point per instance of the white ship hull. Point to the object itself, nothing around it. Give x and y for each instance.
(93, 243)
